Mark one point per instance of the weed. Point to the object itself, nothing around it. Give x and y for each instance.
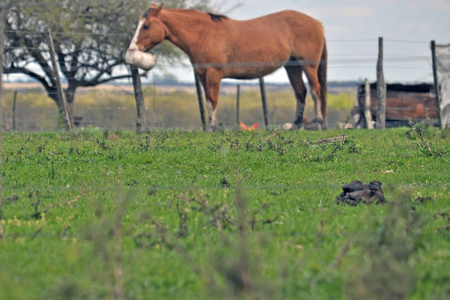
(182, 214)
(6, 201)
(19, 152)
(353, 147)
(38, 211)
(418, 129)
(224, 182)
(421, 130)
(158, 236)
(255, 217)
(103, 144)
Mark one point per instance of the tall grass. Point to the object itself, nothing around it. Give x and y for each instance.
(116, 108)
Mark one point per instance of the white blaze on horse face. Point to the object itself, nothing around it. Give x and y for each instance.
(133, 44)
(137, 57)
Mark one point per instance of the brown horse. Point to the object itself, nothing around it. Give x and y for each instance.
(219, 47)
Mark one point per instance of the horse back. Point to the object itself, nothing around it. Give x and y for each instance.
(286, 29)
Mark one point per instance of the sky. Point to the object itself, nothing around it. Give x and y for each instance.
(352, 28)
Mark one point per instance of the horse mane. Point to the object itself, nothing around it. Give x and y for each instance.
(147, 13)
(216, 17)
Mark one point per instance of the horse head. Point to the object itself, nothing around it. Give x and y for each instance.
(149, 33)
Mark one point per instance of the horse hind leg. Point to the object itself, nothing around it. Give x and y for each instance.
(311, 74)
(295, 77)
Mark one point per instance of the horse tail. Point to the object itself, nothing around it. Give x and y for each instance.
(322, 75)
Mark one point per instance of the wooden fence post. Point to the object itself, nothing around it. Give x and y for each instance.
(436, 83)
(200, 101)
(57, 79)
(381, 88)
(141, 122)
(238, 99)
(262, 87)
(367, 103)
(3, 10)
(14, 111)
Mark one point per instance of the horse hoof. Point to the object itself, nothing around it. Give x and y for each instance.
(317, 124)
(287, 126)
(298, 127)
(292, 126)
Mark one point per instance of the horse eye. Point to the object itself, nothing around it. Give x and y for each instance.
(146, 27)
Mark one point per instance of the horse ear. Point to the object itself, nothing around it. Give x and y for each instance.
(153, 5)
(158, 10)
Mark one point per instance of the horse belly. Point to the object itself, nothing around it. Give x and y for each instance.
(253, 63)
(251, 70)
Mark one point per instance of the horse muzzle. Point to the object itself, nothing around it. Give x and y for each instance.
(140, 59)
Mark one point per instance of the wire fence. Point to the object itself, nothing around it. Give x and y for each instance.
(30, 118)
(121, 114)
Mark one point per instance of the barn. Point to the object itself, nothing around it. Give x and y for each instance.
(415, 102)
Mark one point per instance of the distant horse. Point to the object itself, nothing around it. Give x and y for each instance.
(219, 47)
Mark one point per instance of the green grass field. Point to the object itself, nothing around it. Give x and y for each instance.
(224, 215)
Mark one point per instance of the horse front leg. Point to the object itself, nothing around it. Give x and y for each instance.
(212, 111)
(211, 84)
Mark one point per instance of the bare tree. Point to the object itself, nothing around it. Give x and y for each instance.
(90, 39)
